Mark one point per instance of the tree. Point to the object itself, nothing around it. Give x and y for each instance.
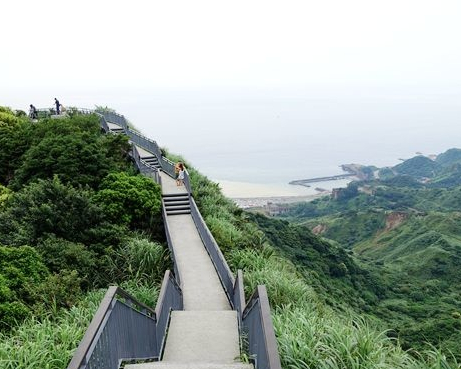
(74, 150)
(131, 200)
(20, 269)
(49, 207)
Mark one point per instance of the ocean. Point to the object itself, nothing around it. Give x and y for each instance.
(266, 142)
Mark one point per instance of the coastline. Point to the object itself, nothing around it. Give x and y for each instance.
(259, 202)
(249, 195)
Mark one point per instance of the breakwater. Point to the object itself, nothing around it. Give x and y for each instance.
(305, 182)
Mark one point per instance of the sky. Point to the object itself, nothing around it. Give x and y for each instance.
(206, 77)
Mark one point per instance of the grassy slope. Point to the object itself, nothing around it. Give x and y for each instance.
(314, 322)
(417, 258)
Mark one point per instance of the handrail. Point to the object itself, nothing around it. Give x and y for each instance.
(170, 298)
(187, 184)
(143, 166)
(239, 296)
(222, 268)
(115, 118)
(257, 323)
(170, 242)
(110, 310)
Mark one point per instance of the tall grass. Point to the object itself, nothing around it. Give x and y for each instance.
(49, 342)
(312, 335)
(138, 258)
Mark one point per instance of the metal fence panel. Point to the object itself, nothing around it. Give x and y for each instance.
(170, 299)
(220, 264)
(170, 242)
(257, 324)
(118, 331)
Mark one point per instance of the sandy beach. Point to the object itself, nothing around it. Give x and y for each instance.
(247, 194)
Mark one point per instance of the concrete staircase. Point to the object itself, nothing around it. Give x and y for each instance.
(115, 128)
(176, 204)
(205, 334)
(152, 161)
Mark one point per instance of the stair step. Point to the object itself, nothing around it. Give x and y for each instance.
(177, 212)
(168, 196)
(181, 202)
(176, 197)
(183, 209)
(184, 200)
(175, 206)
(176, 365)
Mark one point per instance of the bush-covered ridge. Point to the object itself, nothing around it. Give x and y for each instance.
(74, 217)
(409, 234)
(310, 333)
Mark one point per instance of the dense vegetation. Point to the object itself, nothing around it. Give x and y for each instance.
(408, 234)
(74, 218)
(315, 301)
(66, 233)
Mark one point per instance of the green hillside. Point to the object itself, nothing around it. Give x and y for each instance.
(419, 166)
(449, 157)
(409, 234)
(70, 226)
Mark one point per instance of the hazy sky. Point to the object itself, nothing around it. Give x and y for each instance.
(173, 65)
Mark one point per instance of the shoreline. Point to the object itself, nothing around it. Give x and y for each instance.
(258, 202)
(247, 195)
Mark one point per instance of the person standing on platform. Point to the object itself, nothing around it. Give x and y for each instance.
(58, 106)
(32, 112)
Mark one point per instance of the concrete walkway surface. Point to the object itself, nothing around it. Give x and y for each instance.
(205, 334)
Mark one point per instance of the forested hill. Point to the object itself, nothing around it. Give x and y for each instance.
(407, 229)
(75, 217)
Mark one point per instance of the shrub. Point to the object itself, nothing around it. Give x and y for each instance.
(60, 254)
(131, 200)
(48, 207)
(21, 268)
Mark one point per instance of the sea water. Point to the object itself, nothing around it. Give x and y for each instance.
(266, 142)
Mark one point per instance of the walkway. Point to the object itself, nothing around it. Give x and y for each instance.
(205, 334)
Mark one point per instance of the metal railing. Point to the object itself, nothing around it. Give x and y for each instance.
(217, 258)
(187, 183)
(144, 167)
(112, 117)
(144, 142)
(170, 242)
(170, 298)
(120, 330)
(168, 167)
(238, 296)
(124, 329)
(257, 324)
